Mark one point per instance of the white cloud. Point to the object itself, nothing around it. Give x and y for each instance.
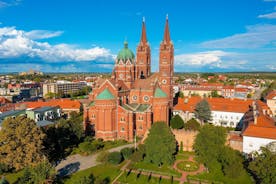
(201, 58)
(7, 3)
(42, 34)
(256, 36)
(268, 16)
(18, 43)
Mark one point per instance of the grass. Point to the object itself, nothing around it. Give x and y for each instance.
(188, 166)
(13, 177)
(101, 172)
(134, 178)
(164, 170)
(218, 176)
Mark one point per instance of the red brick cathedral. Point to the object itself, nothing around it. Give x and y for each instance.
(133, 98)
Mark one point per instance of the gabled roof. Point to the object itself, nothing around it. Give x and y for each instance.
(159, 93)
(271, 95)
(105, 95)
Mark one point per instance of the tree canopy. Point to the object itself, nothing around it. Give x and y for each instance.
(192, 124)
(263, 166)
(203, 111)
(210, 149)
(21, 143)
(177, 122)
(160, 144)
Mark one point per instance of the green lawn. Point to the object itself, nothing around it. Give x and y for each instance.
(165, 169)
(244, 178)
(13, 177)
(134, 178)
(100, 172)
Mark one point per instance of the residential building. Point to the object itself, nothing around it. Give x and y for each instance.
(129, 102)
(63, 87)
(224, 112)
(259, 128)
(271, 101)
(67, 105)
(44, 113)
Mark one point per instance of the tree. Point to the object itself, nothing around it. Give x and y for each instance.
(208, 145)
(160, 144)
(192, 124)
(263, 166)
(115, 157)
(21, 143)
(39, 174)
(181, 94)
(214, 93)
(177, 122)
(127, 152)
(3, 181)
(87, 179)
(203, 111)
(210, 149)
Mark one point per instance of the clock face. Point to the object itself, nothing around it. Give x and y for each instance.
(146, 98)
(134, 98)
(121, 76)
(164, 81)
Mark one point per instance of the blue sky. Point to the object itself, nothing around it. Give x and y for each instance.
(86, 35)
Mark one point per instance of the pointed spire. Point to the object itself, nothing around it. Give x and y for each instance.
(167, 38)
(143, 36)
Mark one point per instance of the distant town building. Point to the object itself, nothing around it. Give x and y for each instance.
(31, 72)
(63, 87)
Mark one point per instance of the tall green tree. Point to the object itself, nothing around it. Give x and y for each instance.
(160, 144)
(264, 166)
(177, 122)
(21, 143)
(203, 111)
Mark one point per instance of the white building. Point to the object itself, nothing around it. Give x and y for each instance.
(259, 130)
(224, 112)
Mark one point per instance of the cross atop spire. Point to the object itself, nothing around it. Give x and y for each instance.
(167, 38)
(143, 36)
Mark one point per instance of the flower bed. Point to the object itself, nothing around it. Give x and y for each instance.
(188, 166)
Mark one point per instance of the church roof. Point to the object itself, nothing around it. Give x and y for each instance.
(105, 95)
(159, 93)
(125, 54)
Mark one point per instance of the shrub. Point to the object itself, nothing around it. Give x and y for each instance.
(89, 147)
(115, 158)
(103, 157)
(192, 124)
(127, 152)
(177, 122)
(3, 168)
(137, 156)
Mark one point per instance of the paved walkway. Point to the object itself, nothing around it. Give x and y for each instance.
(78, 162)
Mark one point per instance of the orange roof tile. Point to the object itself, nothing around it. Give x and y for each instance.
(257, 131)
(4, 100)
(63, 103)
(271, 95)
(216, 104)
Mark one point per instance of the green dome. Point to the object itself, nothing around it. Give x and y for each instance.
(125, 54)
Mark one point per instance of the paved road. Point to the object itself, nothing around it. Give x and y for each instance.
(78, 162)
(257, 94)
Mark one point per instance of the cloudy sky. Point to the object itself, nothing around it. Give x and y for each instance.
(86, 35)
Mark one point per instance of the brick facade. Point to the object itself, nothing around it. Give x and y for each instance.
(127, 104)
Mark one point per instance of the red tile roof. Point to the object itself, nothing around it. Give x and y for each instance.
(63, 103)
(271, 95)
(4, 100)
(265, 126)
(216, 104)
